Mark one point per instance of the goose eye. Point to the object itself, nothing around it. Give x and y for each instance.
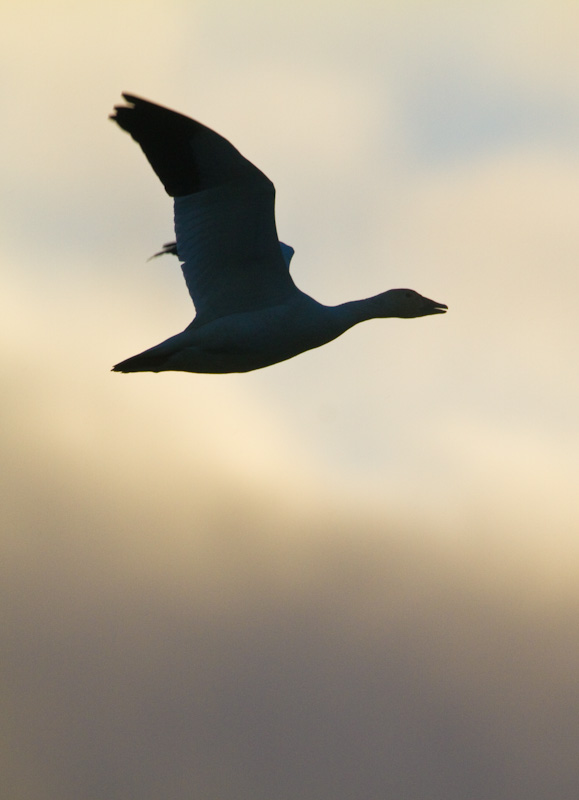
(409, 294)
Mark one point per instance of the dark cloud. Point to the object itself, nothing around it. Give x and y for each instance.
(160, 647)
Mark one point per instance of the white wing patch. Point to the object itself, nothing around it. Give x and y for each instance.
(227, 241)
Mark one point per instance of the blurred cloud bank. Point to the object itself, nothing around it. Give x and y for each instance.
(353, 574)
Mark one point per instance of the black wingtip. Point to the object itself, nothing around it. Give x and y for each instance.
(164, 137)
(187, 156)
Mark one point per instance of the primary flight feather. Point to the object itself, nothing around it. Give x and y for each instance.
(249, 312)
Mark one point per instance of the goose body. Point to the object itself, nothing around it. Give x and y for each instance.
(249, 312)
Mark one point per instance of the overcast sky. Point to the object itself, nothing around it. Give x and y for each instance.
(349, 576)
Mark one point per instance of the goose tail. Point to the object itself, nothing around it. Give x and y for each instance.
(140, 363)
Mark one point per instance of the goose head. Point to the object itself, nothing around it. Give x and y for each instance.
(405, 303)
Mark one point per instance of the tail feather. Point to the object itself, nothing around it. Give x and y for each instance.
(150, 361)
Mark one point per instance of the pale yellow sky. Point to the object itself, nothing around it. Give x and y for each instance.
(349, 575)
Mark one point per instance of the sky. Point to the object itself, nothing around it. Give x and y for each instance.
(350, 575)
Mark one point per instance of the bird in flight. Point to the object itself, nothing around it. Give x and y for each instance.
(249, 312)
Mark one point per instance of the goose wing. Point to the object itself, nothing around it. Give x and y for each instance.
(170, 249)
(227, 240)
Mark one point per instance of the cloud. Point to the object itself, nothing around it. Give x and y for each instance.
(186, 616)
(187, 641)
(354, 574)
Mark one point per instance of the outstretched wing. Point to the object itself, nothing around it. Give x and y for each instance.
(224, 211)
(170, 249)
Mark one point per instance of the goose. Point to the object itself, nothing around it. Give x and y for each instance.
(249, 312)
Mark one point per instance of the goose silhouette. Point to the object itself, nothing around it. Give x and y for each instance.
(249, 312)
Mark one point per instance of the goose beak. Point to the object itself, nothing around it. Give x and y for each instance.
(432, 307)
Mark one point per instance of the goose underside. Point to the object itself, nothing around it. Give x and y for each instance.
(241, 342)
(218, 359)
